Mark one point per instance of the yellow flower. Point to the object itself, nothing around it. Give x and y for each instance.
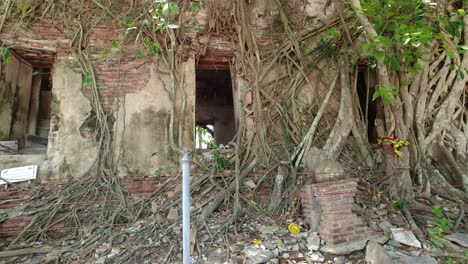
(294, 228)
(257, 241)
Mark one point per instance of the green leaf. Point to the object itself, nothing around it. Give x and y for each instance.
(450, 53)
(379, 55)
(196, 6)
(437, 210)
(461, 12)
(387, 100)
(105, 53)
(155, 48)
(395, 64)
(366, 46)
(140, 54)
(376, 95)
(457, 32)
(165, 9)
(174, 8)
(147, 42)
(87, 80)
(415, 43)
(462, 75)
(384, 90)
(6, 55)
(115, 44)
(157, 172)
(406, 40)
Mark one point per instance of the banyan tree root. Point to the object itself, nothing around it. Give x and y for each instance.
(444, 189)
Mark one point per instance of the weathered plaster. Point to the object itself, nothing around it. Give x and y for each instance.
(69, 153)
(142, 127)
(7, 96)
(320, 11)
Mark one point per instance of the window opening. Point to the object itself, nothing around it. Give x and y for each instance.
(214, 108)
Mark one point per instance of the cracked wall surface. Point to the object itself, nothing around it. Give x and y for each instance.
(142, 127)
(69, 154)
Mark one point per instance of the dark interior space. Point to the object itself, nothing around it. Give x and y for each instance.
(45, 102)
(27, 109)
(214, 104)
(368, 107)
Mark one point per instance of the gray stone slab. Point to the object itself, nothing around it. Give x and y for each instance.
(376, 254)
(459, 238)
(417, 260)
(406, 237)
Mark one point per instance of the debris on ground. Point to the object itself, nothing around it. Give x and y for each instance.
(156, 236)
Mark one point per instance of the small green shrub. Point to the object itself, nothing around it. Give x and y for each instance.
(438, 226)
(220, 162)
(399, 205)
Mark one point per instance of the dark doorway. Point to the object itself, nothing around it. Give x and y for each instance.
(214, 107)
(45, 103)
(26, 110)
(365, 89)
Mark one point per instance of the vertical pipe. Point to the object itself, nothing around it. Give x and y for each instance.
(186, 208)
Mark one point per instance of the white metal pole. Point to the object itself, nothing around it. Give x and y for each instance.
(186, 208)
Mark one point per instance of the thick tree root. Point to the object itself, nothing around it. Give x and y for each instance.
(444, 189)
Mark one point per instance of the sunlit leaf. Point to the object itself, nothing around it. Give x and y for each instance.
(165, 9)
(155, 48)
(376, 95)
(366, 46)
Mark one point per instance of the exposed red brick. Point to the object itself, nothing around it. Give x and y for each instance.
(338, 224)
